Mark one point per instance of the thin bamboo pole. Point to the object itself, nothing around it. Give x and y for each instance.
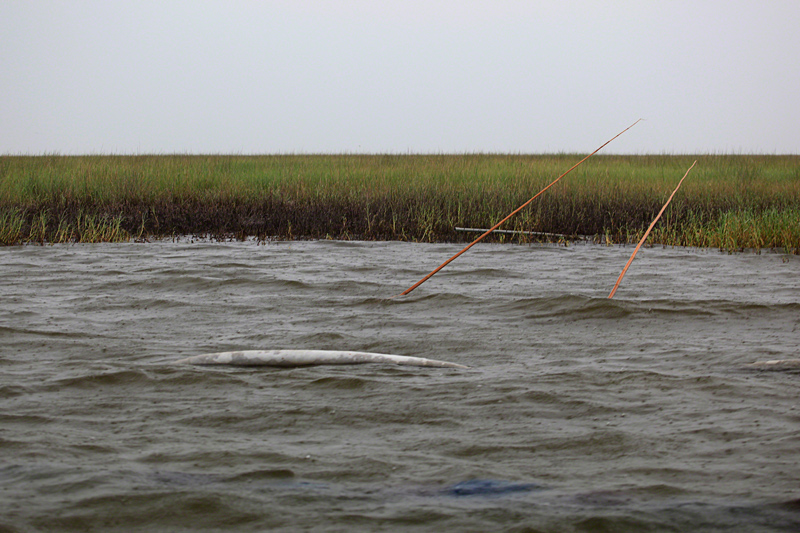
(517, 210)
(646, 233)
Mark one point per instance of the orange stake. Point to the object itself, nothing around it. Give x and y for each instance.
(517, 210)
(646, 233)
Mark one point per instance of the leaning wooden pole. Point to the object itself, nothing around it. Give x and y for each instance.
(517, 210)
(646, 233)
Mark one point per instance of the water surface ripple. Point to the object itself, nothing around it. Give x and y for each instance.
(578, 413)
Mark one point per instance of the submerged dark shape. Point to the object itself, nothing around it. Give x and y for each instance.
(488, 487)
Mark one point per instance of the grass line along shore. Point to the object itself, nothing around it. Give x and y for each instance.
(730, 202)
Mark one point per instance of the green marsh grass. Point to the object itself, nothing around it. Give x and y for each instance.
(732, 202)
(11, 224)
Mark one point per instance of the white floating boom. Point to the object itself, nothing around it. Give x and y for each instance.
(295, 358)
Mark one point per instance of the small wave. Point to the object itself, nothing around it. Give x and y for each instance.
(328, 339)
(12, 391)
(287, 284)
(10, 331)
(726, 307)
(484, 272)
(340, 383)
(445, 298)
(183, 479)
(269, 474)
(93, 379)
(568, 305)
(13, 418)
(582, 307)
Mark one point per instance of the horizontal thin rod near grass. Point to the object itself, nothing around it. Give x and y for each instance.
(518, 232)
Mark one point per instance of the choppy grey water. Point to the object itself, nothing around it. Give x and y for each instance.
(578, 413)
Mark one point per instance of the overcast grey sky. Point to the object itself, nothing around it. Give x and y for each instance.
(302, 76)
